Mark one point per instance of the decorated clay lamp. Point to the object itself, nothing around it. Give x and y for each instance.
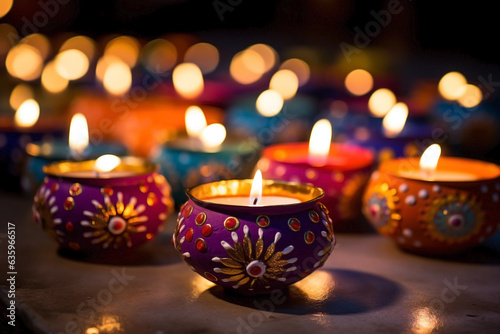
(103, 205)
(203, 155)
(76, 147)
(340, 169)
(254, 236)
(18, 132)
(435, 206)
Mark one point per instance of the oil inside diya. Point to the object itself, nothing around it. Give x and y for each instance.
(343, 176)
(254, 249)
(443, 212)
(97, 210)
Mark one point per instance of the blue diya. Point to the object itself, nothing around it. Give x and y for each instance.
(254, 249)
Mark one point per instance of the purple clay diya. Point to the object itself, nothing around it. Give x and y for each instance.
(93, 211)
(254, 245)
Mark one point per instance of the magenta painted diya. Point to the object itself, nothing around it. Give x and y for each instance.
(96, 212)
(343, 177)
(254, 249)
(447, 214)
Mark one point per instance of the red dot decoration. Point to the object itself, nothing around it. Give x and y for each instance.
(314, 216)
(187, 211)
(54, 187)
(309, 237)
(200, 218)
(69, 204)
(255, 271)
(323, 208)
(75, 189)
(107, 191)
(201, 245)
(189, 235)
(294, 224)
(210, 276)
(206, 230)
(74, 245)
(304, 273)
(263, 221)
(69, 227)
(231, 223)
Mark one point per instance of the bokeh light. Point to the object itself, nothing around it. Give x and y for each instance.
(299, 67)
(269, 103)
(451, 85)
(247, 67)
(27, 114)
(103, 64)
(8, 37)
(213, 136)
(188, 80)
(381, 101)
(159, 55)
(24, 62)
(51, 80)
(394, 121)
(19, 94)
(359, 82)
(268, 54)
(471, 96)
(83, 43)
(205, 55)
(126, 48)
(39, 42)
(5, 6)
(117, 78)
(71, 64)
(284, 82)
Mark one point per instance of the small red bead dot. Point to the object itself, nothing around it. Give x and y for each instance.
(200, 245)
(313, 215)
(69, 227)
(263, 221)
(231, 223)
(187, 212)
(210, 277)
(309, 237)
(200, 218)
(206, 230)
(189, 235)
(294, 224)
(255, 271)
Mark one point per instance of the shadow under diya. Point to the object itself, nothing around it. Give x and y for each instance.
(440, 216)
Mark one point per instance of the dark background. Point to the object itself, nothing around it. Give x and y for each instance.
(447, 27)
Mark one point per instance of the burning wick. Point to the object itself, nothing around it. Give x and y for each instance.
(255, 201)
(256, 190)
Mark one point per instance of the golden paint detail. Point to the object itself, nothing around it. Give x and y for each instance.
(43, 211)
(330, 237)
(75, 189)
(454, 218)
(113, 224)
(249, 264)
(350, 202)
(380, 209)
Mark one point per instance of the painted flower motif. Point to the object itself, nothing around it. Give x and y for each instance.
(248, 265)
(454, 218)
(44, 210)
(380, 209)
(113, 223)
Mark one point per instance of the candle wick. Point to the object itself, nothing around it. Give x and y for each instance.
(255, 200)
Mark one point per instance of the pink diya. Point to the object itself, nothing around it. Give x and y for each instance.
(103, 205)
(434, 210)
(251, 242)
(342, 170)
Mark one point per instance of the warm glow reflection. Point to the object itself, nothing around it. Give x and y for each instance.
(24, 62)
(92, 330)
(268, 54)
(195, 121)
(269, 103)
(205, 55)
(106, 163)
(319, 142)
(117, 78)
(83, 43)
(213, 136)
(255, 197)
(284, 82)
(471, 96)
(429, 160)
(5, 6)
(394, 121)
(188, 80)
(110, 324)
(126, 48)
(425, 321)
(51, 80)
(27, 114)
(39, 42)
(78, 133)
(381, 101)
(318, 286)
(200, 284)
(299, 67)
(19, 94)
(71, 64)
(451, 85)
(159, 55)
(247, 67)
(359, 82)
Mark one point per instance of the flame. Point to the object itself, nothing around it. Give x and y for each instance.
(188, 80)
(213, 136)
(429, 160)
(78, 133)
(27, 114)
(394, 121)
(195, 121)
(269, 103)
(381, 101)
(106, 163)
(319, 142)
(256, 190)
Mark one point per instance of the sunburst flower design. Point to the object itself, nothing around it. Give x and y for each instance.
(113, 224)
(44, 210)
(248, 265)
(329, 236)
(454, 218)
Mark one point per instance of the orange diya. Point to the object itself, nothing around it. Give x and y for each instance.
(434, 207)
